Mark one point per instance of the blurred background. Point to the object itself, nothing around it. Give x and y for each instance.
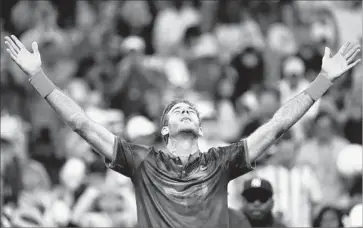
(122, 61)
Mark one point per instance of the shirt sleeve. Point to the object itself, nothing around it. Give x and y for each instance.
(126, 157)
(235, 159)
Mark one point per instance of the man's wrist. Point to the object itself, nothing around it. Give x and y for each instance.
(319, 86)
(42, 83)
(32, 74)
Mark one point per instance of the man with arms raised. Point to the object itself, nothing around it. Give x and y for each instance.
(180, 186)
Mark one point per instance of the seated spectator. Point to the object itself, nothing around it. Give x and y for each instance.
(258, 203)
(329, 217)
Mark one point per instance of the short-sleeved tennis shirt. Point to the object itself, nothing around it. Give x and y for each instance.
(170, 194)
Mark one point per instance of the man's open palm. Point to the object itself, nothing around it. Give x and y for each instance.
(341, 62)
(30, 63)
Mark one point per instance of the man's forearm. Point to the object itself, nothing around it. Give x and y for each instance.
(291, 112)
(98, 136)
(69, 111)
(285, 117)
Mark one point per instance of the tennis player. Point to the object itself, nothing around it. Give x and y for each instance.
(180, 186)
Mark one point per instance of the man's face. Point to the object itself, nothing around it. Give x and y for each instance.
(257, 203)
(183, 119)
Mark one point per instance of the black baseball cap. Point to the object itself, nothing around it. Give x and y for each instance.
(257, 183)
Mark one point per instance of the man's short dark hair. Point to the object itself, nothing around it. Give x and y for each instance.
(164, 117)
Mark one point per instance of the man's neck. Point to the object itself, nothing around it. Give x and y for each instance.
(183, 145)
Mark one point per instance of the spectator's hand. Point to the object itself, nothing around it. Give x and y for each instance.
(334, 67)
(30, 63)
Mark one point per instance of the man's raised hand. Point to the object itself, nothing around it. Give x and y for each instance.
(30, 63)
(341, 62)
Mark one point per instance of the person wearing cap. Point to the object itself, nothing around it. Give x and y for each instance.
(180, 186)
(258, 202)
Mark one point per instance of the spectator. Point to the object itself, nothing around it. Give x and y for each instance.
(249, 65)
(72, 182)
(115, 200)
(269, 99)
(204, 64)
(138, 19)
(311, 58)
(329, 217)
(22, 16)
(11, 87)
(173, 20)
(292, 83)
(237, 220)
(258, 203)
(140, 130)
(135, 76)
(296, 189)
(281, 43)
(320, 153)
(53, 44)
(11, 169)
(353, 117)
(349, 164)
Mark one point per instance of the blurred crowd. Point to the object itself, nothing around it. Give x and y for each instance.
(122, 61)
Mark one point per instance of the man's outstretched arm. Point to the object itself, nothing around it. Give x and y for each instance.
(293, 110)
(70, 112)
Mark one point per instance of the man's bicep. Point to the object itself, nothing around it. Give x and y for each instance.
(98, 137)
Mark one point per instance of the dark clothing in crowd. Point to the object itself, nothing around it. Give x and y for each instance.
(250, 68)
(353, 131)
(12, 181)
(170, 194)
(269, 221)
(238, 220)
